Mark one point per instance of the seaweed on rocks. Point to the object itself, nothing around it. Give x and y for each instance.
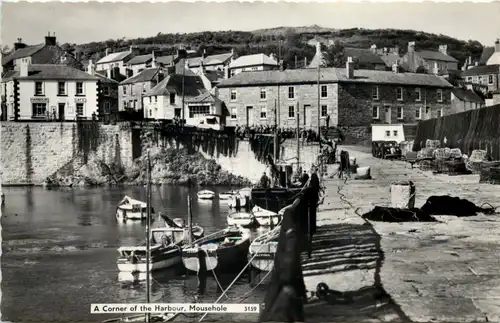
(88, 138)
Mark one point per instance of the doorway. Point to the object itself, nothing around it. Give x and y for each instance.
(305, 114)
(388, 117)
(249, 116)
(61, 108)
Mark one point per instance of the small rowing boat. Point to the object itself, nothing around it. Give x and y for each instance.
(206, 195)
(227, 195)
(131, 209)
(224, 250)
(263, 249)
(243, 219)
(266, 217)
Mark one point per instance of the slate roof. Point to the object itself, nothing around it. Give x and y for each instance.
(51, 72)
(214, 76)
(390, 58)
(103, 78)
(193, 86)
(252, 60)
(333, 75)
(140, 59)
(114, 57)
(318, 59)
(23, 52)
(209, 60)
(435, 55)
(486, 54)
(494, 59)
(165, 60)
(144, 76)
(205, 97)
(363, 55)
(482, 70)
(467, 95)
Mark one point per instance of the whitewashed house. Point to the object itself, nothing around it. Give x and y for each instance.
(256, 62)
(112, 61)
(49, 92)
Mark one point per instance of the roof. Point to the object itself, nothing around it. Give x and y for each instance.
(482, 70)
(114, 57)
(333, 75)
(318, 59)
(494, 59)
(467, 95)
(180, 69)
(209, 60)
(165, 60)
(363, 55)
(23, 52)
(173, 83)
(103, 78)
(435, 55)
(140, 59)
(486, 54)
(144, 76)
(390, 58)
(214, 76)
(50, 72)
(205, 97)
(252, 60)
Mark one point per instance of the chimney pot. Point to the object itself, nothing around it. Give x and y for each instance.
(24, 67)
(411, 46)
(107, 52)
(497, 45)
(349, 68)
(318, 48)
(395, 67)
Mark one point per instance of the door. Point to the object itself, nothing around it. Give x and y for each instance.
(61, 111)
(388, 114)
(249, 116)
(306, 114)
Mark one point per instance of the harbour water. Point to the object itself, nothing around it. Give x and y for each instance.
(59, 251)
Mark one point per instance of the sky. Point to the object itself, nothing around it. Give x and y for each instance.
(86, 22)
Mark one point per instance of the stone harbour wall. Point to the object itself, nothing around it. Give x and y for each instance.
(31, 151)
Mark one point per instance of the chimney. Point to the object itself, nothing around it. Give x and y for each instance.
(435, 69)
(282, 67)
(24, 67)
(395, 67)
(443, 49)
(497, 45)
(305, 62)
(204, 53)
(271, 56)
(19, 44)
(318, 48)
(349, 66)
(131, 49)
(373, 48)
(153, 59)
(186, 63)
(226, 72)
(202, 68)
(108, 73)
(107, 52)
(232, 52)
(91, 68)
(50, 40)
(411, 47)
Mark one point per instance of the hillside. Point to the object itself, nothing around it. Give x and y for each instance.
(294, 42)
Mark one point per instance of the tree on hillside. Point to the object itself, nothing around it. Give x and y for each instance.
(335, 55)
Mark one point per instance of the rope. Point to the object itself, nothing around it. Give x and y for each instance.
(213, 272)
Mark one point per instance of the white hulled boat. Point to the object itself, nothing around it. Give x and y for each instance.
(263, 249)
(227, 195)
(266, 217)
(206, 195)
(131, 209)
(243, 219)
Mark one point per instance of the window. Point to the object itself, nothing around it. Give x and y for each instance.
(79, 88)
(418, 93)
(61, 88)
(291, 92)
(490, 79)
(395, 133)
(150, 112)
(469, 79)
(324, 91)
(262, 94)
(263, 112)
(233, 95)
(38, 88)
(233, 113)
(156, 99)
(440, 113)
(39, 110)
(399, 112)
(418, 113)
(324, 110)
(375, 93)
(125, 89)
(172, 98)
(375, 113)
(79, 109)
(480, 80)
(107, 108)
(291, 111)
(427, 110)
(198, 110)
(399, 93)
(440, 95)
(387, 133)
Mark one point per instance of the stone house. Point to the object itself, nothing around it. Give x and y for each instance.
(256, 62)
(363, 58)
(435, 62)
(107, 88)
(352, 98)
(49, 92)
(487, 76)
(46, 53)
(115, 63)
(216, 62)
(465, 99)
(139, 63)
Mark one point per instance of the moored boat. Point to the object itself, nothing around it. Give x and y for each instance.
(263, 249)
(131, 209)
(224, 250)
(196, 230)
(206, 195)
(246, 191)
(243, 219)
(227, 195)
(265, 217)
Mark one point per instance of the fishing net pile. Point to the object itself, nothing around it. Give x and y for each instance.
(262, 146)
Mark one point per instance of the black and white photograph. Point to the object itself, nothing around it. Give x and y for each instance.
(250, 161)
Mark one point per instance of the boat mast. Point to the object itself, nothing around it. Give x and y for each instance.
(148, 242)
(190, 218)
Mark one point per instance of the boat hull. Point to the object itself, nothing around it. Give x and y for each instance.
(125, 266)
(262, 255)
(129, 215)
(161, 257)
(241, 219)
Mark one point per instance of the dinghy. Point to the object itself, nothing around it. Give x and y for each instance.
(224, 250)
(227, 195)
(165, 249)
(266, 217)
(263, 249)
(197, 231)
(243, 219)
(206, 195)
(131, 209)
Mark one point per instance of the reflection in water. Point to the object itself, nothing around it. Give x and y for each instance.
(60, 252)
